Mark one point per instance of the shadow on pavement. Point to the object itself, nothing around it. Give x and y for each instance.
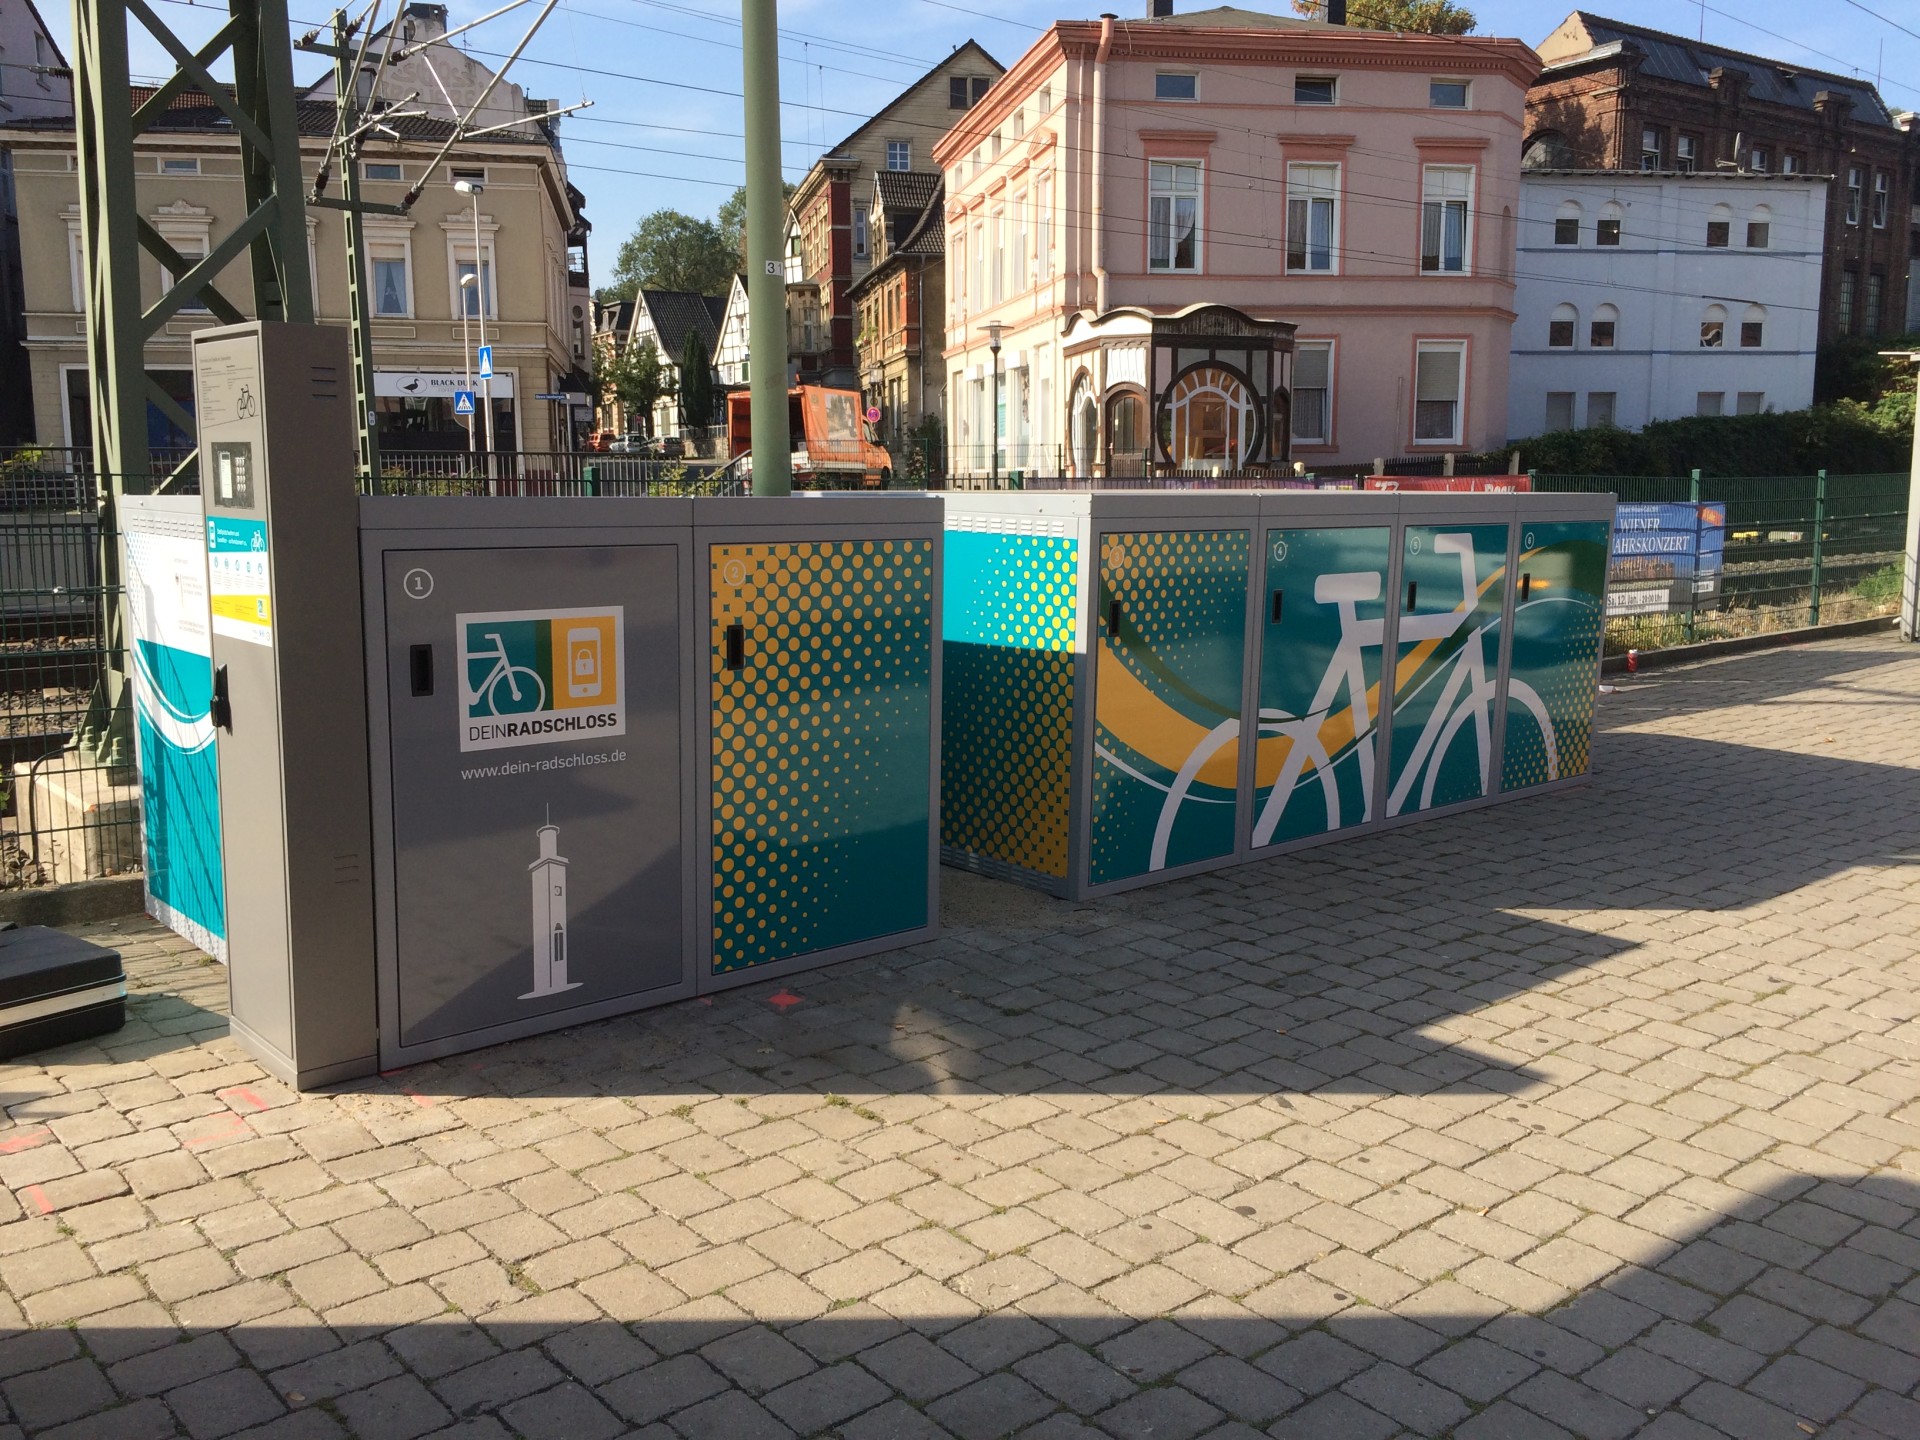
(1786, 1311)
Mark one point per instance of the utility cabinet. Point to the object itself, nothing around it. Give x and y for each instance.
(1107, 655)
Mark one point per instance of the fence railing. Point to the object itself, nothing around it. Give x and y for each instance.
(1800, 550)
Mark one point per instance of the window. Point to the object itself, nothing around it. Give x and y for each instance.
(470, 302)
(1870, 312)
(1446, 190)
(1760, 161)
(1045, 101)
(1686, 152)
(1447, 94)
(458, 172)
(966, 91)
(1750, 402)
(1175, 87)
(1312, 229)
(1713, 328)
(1606, 230)
(1438, 371)
(859, 232)
(390, 284)
(1855, 179)
(381, 170)
(899, 155)
(179, 165)
(1879, 199)
(192, 249)
(1561, 326)
(1313, 90)
(1752, 333)
(1709, 402)
(1600, 333)
(1043, 235)
(1849, 281)
(1022, 267)
(1789, 164)
(1599, 408)
(1717, 234)
(1758, 232)
(1653, 146)
(1312, 390)
(997, 270)
(1566, 230)
(1559, 410)
(1173, 215)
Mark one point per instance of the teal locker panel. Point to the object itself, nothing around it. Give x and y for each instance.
(1558, 613)
(1446, 671)
(1167, 695)
(1321, 646)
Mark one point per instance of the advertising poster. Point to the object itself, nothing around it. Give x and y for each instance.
(172, 653)
(1666, 557)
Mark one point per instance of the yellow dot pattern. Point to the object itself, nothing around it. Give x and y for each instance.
(822, 745)
(1555, 645)
(1007, 687)
(1183, 598)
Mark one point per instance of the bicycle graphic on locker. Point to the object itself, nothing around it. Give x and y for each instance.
(1468, 697)
(515, 676)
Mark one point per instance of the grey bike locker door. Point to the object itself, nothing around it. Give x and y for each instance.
(534, 713)
(1322, 606)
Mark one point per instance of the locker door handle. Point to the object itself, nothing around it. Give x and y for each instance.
(736, 647)
(1526, 587)
(1113, 619)
(1277, 596)
(220, 708)
(420, 669)
(1413, 588)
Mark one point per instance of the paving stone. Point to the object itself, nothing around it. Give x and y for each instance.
(1239, 1389)
(1166, 1412)
(396, 1409)
(1477, 1370)
(998, 1405)
(224, 1403)
(566, 1412)
(1314, 1362)
(63, 1392)
(1806, 1387)
(1418, 1404)
(1075, 1378)
(1335, 1416)
(916, 1368)
(825, 1397)
(732, 1416)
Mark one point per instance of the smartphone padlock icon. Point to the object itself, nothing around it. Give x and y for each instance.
(584, 672)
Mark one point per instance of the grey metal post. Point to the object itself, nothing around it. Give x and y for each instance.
(766, 269)
(995, 347)
(359, 279)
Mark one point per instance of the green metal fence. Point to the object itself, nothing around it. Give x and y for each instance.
(1801, 550)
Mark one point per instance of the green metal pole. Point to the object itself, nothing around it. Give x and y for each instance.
(359, 317)
(1693, 494)
(766, 267)
(1819, 541)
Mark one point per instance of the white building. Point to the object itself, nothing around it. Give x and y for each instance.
(1647, 296)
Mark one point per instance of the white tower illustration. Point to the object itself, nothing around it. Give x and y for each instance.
(549, 874)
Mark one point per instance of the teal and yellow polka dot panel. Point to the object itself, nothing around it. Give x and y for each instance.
(1556, 649)
(1006, 715)
(822, 745)
(1167, 699)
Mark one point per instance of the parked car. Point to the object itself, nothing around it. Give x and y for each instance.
(629, 445)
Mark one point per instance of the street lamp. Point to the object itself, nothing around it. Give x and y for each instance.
(993, 344)
(474, 189)
(466, 344)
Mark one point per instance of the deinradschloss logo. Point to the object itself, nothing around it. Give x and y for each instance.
(530, 677)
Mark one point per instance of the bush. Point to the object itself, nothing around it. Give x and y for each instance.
(1848, 437)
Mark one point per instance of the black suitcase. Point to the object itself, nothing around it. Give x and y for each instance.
(56, 988)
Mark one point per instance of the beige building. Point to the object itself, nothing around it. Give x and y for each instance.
(531, 261)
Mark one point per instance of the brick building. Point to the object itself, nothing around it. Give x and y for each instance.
(1613, 96)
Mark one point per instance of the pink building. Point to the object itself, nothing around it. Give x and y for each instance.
(1231, 238)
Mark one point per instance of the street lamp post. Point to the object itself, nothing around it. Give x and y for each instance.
(474, 189)
(993, 344)
(466, 344)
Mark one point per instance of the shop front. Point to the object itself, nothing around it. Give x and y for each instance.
(416, 411)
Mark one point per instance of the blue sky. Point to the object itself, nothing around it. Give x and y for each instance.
(664, 75)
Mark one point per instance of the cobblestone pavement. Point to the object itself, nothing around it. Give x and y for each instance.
(1590, 1115)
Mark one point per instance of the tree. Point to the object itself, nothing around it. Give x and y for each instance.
(1422, 17)
(635, 376)
(733, 219)
(672, 251)
(696, 380)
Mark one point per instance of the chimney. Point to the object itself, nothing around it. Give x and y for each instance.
(1336, 12)
(1159, 9)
